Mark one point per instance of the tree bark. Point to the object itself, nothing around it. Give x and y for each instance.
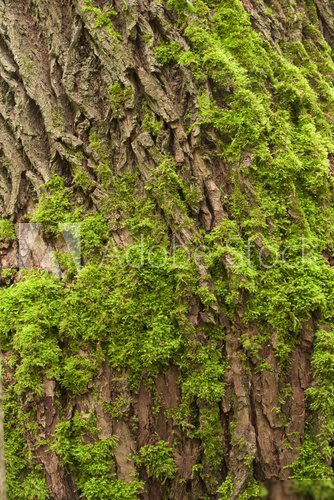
(3, 494)
(86, 90)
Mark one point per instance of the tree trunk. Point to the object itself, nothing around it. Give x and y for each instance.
(181, 343)
(3, 495)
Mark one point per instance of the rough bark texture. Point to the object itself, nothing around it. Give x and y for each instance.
(100, 98)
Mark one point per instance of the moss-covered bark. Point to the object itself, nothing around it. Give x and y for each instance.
(191, 356)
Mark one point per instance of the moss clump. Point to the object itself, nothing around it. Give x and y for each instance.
(253, 490)
(211, 433)
(172, 192)
(225, 490)
(7, 230)
(275, 132)
(94, 234)
(151, 124)
(311, 475)
(103, 18)
(57, 214)
(82, 179)
(24, 479)
(120, 97)
(136, 279)
(320, 394)
(103, 168)
(78, 370)
(97, 489)
(167, 52)
(158, 461)
(54, 206)
(91, 460)
(29, 334)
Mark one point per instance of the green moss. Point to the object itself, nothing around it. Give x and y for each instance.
(30, 332)
(167, 52)
(7, 230)
(290, 295)
(82, 179)
(97, 489)
(171, 191)
(8, 275)
(254, 490)
(58, 118)
(207, 298)
(311, 475)
(77, 371)
(211, 436)
(271, 112)
(54, 206)
(136, 280)
(205, 368)
(103, 18)
(24, 479)
(99, 301)
(117, 408)
(275, 130)
(120, 97)
(103, 168)
(94, 234)
(91, 460)
(180, 6)
(68, 263)
(225, 490)
(151, 124)
(286, 134)
(148, 37)
(158, 461)
(98, 143)
(56, 209)
(136, 208)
